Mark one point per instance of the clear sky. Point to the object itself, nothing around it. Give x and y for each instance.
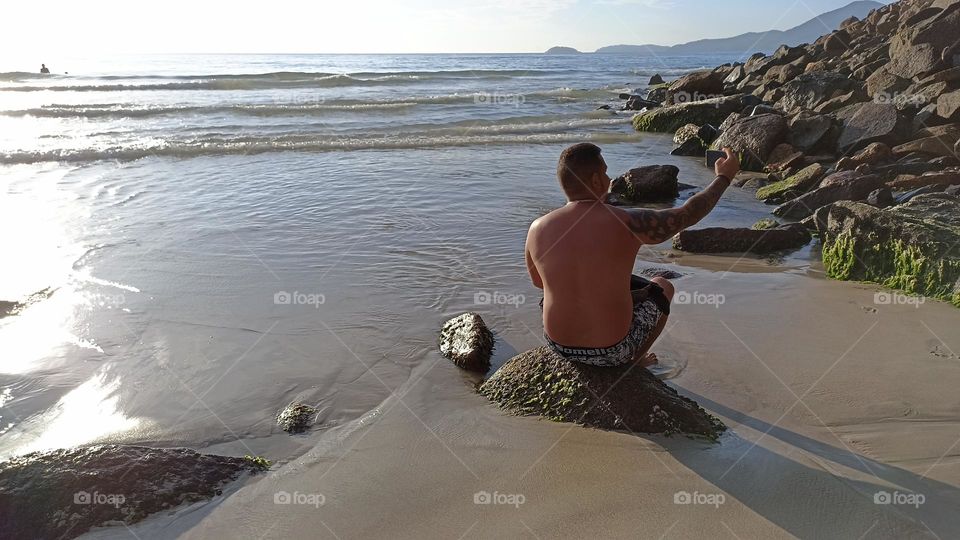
(381, 26)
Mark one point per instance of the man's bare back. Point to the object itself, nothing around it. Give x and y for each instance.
(583, 253)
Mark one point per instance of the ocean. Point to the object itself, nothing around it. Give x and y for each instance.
(204, 239)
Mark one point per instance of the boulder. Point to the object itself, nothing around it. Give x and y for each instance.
(759, 134)
(736, 75)
(540, 382)
(811, 89)
(691, 147)
(872, 154)
(948, 106)
(837, 43)
(882, 85)
(944, 178)
(807, 204)
(870, 122)
(685, 133)
(670, 119)
(637, 103)
(881, 198)
(783, 157)
(914, 247)
(467, 342)
(916, 49)
(741, 240)
(653, 183)
(792, 186)
(695, 86)
(841, 178)
(935, 146)
(807, 129)
(65, 493)
(655, 80)
(657, 94)
(296, 417)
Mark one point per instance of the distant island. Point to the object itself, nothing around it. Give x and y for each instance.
(749, 43)
(562, 50)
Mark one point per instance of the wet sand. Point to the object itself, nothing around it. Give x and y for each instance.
(832, 400)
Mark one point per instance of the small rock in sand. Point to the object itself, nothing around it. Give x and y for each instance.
(467, 341)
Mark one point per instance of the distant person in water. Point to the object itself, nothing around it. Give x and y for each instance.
(44, 68)
(582, 256)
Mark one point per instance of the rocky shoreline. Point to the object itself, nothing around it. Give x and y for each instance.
(856, 136)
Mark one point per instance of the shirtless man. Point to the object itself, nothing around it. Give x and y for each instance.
(582, 256)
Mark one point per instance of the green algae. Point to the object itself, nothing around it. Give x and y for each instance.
(915, 268)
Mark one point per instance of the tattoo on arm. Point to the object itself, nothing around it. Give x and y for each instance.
(656, 226)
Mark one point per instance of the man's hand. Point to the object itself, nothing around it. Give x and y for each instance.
(728, 166)
(656, 226)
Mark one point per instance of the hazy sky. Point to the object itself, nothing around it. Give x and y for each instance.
(38, 27)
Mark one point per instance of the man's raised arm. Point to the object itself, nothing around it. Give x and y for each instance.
(656, 226)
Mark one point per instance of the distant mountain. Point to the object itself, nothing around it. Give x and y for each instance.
(562, 50)
(765, 42)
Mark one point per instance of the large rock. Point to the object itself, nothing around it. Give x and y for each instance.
(807, 204)
(792, 186)
(670, 119)
(811, 89)
(760, 134)
(914, 247)
(64, 493)
(870, 122)
(917, 48)
(942, 178)
(653, 183)
(807, 129)
(741, 240)
(467, 342)
(539, 382)
(948, 106)
(695, 86)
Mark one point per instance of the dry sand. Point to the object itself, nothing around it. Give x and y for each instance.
(831, 399)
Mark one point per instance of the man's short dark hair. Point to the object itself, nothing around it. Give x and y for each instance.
(577, 165)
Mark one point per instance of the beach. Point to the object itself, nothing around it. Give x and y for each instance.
(211, 263)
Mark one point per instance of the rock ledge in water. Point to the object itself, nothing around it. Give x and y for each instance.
(64, 493)
(467, 341)
(539, 382)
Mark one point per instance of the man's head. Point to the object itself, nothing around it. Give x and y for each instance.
(582, 172)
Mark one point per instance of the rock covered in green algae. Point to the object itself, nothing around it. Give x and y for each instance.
(670, 119)
(296, 417)
(64, 493)
(914, 247)
(467, 342)
(792, 186)
(765, 224)
(539, 382)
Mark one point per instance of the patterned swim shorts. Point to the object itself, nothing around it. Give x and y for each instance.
(646, 315)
